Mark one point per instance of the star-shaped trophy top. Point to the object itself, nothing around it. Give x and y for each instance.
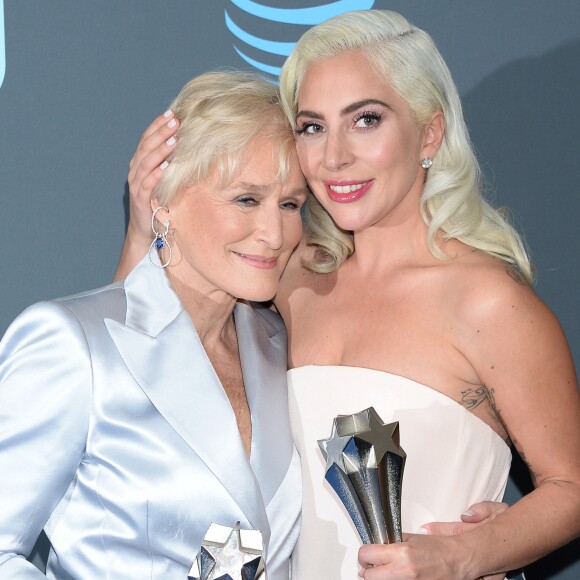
(333, 447)
(366, 426)
(229, 554)
(383, 437)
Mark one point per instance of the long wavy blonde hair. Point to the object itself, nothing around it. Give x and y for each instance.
(407, 59)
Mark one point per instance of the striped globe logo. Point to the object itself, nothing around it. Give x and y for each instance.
(265, 35)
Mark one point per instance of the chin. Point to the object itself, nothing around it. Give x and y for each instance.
(258, 296)
(263, 293)
(351, 223)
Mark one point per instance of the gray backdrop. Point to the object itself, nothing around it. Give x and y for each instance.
(84, 78)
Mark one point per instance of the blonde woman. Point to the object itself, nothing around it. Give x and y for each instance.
(136, 415)
(412, 294)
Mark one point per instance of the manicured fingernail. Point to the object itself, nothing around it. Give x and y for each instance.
(170, 142)
(422, 531)
(468, 513)
(168, 113)
(164, 165)
(172, 123)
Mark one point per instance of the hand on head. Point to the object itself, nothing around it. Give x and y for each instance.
(146, 167)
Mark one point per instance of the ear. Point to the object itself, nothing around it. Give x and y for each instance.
(163, 212)
(433, 134)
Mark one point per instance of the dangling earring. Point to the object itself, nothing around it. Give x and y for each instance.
(426, 162)
(160, 240)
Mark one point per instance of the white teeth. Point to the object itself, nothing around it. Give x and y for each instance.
(347, 188)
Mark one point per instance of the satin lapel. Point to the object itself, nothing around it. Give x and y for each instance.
(171, 367)
(263, 353)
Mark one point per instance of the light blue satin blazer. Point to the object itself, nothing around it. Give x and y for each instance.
(118, 439)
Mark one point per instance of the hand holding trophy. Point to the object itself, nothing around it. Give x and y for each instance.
(364, 466)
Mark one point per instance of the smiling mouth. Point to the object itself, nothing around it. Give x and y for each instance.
(260, 262)
(347, 193)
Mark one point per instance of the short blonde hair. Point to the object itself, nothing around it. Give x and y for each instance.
(407, 59)
(220, 113)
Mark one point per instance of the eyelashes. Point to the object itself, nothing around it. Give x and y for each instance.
(371, 119)
(248, 201)
(309, 127)
(364, 120)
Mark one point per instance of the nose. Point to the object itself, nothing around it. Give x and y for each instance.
(337, 154)
(270, 229)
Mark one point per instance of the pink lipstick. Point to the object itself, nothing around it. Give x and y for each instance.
(259, 261)
(346, 191)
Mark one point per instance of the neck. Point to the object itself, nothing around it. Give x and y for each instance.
(210, 312)
(389, 244)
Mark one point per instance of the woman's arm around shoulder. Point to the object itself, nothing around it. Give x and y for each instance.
(519, 352)
(45, 391)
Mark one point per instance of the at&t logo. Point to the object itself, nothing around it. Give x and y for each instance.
(265, 35)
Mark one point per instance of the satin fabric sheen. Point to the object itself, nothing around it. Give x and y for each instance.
(454, 459)
(118, 439)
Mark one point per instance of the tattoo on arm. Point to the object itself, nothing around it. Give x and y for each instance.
(472, 398)
(494, 412)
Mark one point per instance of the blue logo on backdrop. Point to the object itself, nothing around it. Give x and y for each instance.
(2, 44)
(274, 47)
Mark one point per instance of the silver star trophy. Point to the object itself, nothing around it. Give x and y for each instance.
(364, 466)
(229, 554)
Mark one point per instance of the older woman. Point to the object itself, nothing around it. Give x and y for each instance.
(134, 416)
(431, 320)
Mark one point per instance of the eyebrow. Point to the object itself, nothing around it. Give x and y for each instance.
(252, 187)
(347, 110)
(261, 189)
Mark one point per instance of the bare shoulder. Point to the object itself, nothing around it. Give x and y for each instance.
(489, 290)
(504, 329)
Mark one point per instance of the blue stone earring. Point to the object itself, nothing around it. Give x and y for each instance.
(160, 240)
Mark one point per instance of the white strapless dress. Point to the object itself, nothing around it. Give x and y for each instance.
(454, 459)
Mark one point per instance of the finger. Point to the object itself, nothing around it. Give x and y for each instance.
(446, 528)
(148, 167)
(375, 554)
(152, 164)
(157, 143)
(148, 186)
(157, 123)
(483, 510)
(377, 573)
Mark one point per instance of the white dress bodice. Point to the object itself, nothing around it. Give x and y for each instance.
(454, 459)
